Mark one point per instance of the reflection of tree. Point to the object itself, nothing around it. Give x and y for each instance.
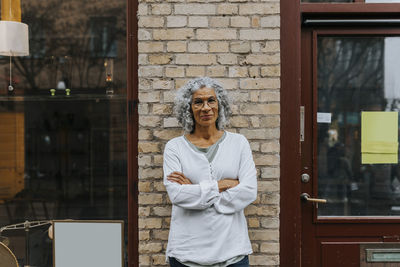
(350, 79)
(61, 42)
(350, 73)
(40, 19)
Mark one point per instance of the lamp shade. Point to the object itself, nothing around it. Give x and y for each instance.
(14, 38)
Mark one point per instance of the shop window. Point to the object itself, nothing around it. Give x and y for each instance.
(63, 135)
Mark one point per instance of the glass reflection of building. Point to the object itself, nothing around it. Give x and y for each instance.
(63, 142)
(355, 74)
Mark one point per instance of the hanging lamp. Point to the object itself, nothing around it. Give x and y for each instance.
(14, 35)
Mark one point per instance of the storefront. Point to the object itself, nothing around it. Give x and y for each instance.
(83, 129)
(65, 130)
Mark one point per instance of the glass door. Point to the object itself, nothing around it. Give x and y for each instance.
(351, 100)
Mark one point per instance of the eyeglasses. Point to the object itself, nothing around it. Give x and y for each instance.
(199, 103)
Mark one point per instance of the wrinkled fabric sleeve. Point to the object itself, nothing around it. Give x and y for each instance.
(188, 196)
(239, 197)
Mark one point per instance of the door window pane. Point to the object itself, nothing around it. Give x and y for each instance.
(63, 140)
(355, 74)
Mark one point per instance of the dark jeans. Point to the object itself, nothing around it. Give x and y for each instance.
(243, 263)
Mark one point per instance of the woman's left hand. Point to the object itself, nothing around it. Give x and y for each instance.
(179, 178)
(227, 183)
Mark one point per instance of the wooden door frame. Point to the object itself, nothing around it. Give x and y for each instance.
(290, 224)
(291, 13)
(132, 131)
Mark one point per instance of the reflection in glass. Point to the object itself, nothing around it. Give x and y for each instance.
(355, 74)
(63, 144)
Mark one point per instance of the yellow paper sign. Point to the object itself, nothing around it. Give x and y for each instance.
(379, 137)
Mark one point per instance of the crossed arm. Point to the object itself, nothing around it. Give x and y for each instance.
(223, 184)
(227, 196)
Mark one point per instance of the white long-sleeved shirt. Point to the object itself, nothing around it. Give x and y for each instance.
(209, 227)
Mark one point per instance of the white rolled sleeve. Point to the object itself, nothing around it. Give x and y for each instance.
(188, 196)
(239, 197)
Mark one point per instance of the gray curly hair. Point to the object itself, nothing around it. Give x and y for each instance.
(183, 101)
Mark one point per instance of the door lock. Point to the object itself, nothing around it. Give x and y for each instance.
(305, 178)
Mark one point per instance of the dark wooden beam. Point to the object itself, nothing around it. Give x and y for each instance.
(290, 223)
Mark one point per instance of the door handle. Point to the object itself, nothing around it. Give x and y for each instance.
(306, 197)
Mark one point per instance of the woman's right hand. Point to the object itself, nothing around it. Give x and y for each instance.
(227, 183)
(179, 178)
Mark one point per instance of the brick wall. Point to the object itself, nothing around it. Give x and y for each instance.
(236, 42)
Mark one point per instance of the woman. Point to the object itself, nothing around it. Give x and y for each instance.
(210, 178)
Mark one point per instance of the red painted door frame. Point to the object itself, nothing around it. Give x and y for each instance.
(290, 227)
